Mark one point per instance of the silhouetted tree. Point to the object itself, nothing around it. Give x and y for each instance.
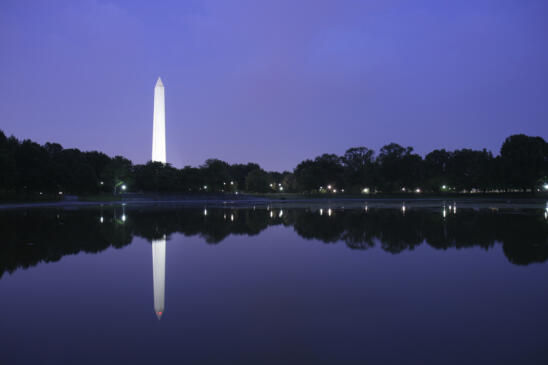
(399, 167)
(324, 170)
(358, 168)
(27, 168)
(238, 174)
(215, 174)
(118, 170)
(157, 176)
(469, 169)
(524, 161)
(436, 165)
(257, 181)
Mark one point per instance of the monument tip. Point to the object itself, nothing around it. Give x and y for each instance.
(159, 82)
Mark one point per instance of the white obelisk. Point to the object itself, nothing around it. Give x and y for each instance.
(159, 124)
(159, 274)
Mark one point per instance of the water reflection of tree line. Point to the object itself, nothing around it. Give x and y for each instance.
(33, 236)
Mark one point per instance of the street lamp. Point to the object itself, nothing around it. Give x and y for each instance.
(120, 185)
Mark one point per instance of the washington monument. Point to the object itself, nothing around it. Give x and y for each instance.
(159, 155)
(159, 124)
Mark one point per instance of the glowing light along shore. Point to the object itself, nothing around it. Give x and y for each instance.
(159, 274)
(159, 124)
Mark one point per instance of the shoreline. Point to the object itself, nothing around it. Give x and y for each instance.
(336, 203)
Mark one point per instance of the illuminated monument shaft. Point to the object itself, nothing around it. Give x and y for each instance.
(159, 124)
(159, 155)
(159, 274)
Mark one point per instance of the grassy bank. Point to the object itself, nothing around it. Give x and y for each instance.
(407, 196)
(36, 198)
(100, 198)
(10, 198)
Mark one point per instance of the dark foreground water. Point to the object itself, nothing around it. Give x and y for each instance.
(273, 286)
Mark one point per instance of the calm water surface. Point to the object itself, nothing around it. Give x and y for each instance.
(152, 285)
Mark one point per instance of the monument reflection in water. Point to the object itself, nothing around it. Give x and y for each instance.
(159, 274)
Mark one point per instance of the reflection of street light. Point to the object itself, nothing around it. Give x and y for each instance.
(281, 188)
(124, 187)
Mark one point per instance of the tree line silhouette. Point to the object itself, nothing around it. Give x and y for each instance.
(29, 237)
(29, 168)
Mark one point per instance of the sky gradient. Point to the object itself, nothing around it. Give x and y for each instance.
(273, 82)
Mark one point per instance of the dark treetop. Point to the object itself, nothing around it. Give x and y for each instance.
(29, 168)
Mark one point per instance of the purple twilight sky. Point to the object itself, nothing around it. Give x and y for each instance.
(273, 82)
